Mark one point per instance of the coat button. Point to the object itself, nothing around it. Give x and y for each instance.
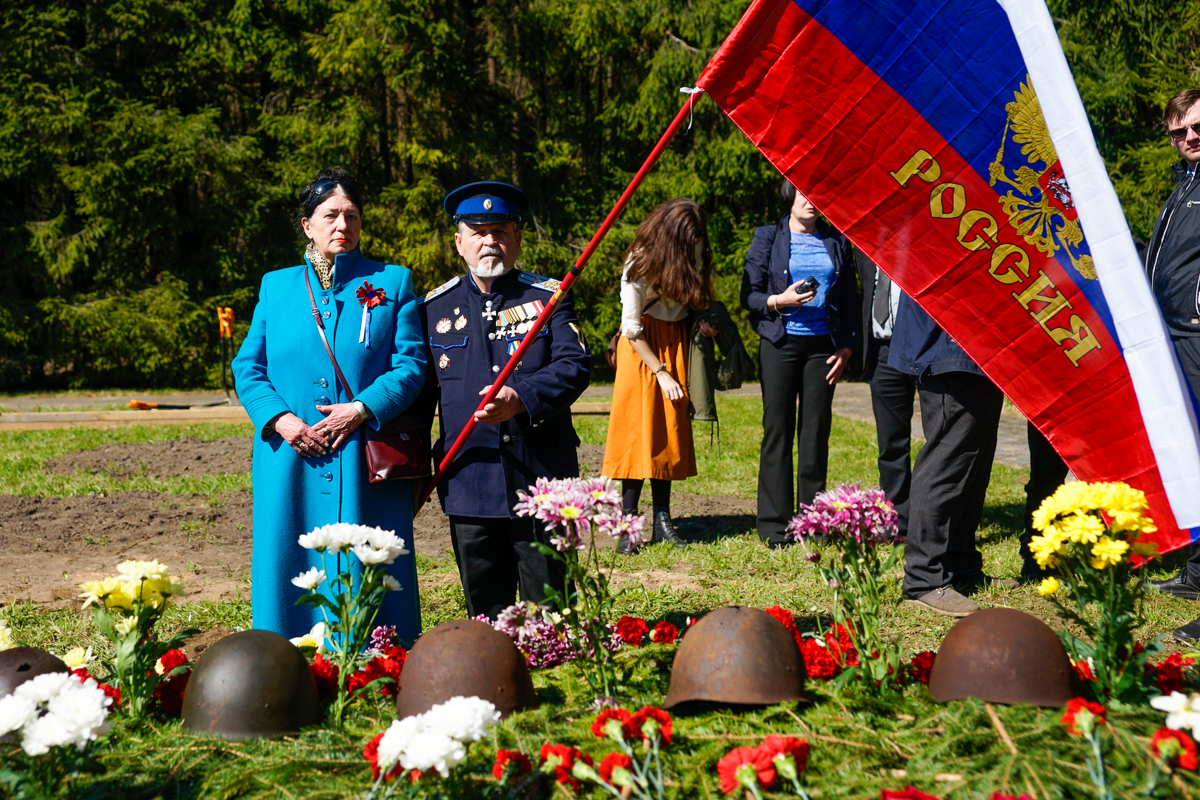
(322, 400)
(495, 367)
(506, 438)
(323, 383)
(328, 476)
(324, 299)
(327, 314)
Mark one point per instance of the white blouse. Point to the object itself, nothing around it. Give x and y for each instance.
(635, 296)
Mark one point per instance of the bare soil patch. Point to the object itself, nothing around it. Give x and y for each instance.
(49, 545)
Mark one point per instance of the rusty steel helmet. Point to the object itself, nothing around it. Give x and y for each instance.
(464, 657)
(1002, 655)
(21, 664)
(737, 655)
(252, 684)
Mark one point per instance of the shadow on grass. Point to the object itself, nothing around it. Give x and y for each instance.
(710, 528)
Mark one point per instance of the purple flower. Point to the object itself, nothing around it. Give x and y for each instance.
(381, 637)
(847, 512)
(617, 524)
(813, 556)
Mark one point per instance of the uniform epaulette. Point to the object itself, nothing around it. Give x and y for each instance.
(445, 287)
(538, 282)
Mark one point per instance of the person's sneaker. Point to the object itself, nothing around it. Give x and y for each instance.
(945, 600)
(664, 530)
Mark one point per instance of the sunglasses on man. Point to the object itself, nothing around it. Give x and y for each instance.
(1179, 133)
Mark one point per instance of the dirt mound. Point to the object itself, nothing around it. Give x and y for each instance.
(185, 456)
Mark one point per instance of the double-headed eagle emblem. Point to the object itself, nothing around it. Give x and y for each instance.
(1040, 208)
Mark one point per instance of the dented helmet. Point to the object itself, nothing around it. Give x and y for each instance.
(464, 657)
(252, 684)
(1002, 655)
(20, 664)
(737, 655)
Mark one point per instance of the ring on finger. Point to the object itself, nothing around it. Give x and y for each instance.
(304, 445)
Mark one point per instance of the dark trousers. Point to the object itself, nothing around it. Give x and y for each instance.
(1047, 471)
(1187, 348)
(496, 557)
(960, 413)
(892, 394)
(793, 371)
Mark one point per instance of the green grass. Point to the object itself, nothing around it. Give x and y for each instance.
(859, 747)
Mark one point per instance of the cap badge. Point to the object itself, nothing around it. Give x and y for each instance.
(487, 204)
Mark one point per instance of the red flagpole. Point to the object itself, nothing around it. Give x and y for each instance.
(552, 305)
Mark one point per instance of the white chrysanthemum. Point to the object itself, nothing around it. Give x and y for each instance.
(433, 750)
(390, 584)
(44, 732)
(466, 719)
(370, 556)
(309, 580)
(40, 689)
(319, 539)
(385, 540)
(15, 712)
(314, 638)
(396, 740)
(83, 707)
(142, 570)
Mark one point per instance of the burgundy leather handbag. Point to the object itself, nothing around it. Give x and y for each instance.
(395, 452)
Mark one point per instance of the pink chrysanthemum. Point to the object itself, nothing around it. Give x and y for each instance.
(847, 511)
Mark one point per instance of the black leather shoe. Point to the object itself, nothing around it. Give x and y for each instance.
(1179, 586)
(1187, 633)
(664, 530)
(623, 545)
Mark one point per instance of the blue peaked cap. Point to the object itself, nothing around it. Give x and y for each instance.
(486, 201)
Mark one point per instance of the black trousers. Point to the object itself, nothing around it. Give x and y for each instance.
(892, 395)
(1187, 348)
(1047, 471)
(960, 414)
(793, 371)
(495, 557)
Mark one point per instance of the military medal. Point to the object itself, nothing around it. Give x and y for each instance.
(443, 325)
(457, 311)
(444, 361)
(488, 314)
(460, 323)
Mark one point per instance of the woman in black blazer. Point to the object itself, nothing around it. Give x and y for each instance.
(807, 338)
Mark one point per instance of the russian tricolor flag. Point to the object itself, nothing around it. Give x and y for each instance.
(946, 138)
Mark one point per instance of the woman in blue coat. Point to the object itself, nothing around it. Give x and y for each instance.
(309, 468)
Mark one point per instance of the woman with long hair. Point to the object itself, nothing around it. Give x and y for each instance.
(667, 274)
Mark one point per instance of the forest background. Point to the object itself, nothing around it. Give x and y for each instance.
(151, 151)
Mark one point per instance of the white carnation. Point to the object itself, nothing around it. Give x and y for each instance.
(84, 708)
(466, 719)
(44, 732)
(15, 712)
(396, 739)
(391, 584)
(309, 580)
(433, 750)
(40, 689)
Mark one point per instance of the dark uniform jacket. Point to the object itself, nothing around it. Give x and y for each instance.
(1173, 259)
(921, 348)
(766, 273)
(469, 336)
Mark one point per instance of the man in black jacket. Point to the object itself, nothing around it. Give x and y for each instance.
(1173, 266)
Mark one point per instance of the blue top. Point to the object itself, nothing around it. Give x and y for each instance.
(809, 257)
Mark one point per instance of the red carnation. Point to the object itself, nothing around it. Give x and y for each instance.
(818, 663)
(1182, 753)
(388, 665)
(611, 762)
(1168, 674)
(1084, 670)
(907, 793)
(776, 746)
(788, 621)
(1077, 713)
(664, 633)
(743, 759)
(326, 673)
(841, 648)
(632, 630)
(506, 757)
(169, 692)
(109, 691)
(628, 731)
(656, 715)
(921, 666)
(371, 753)
(564, 759)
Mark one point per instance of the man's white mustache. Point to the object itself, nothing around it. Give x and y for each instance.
(491, 250)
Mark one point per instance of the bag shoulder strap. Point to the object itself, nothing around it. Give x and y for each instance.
(321, 330)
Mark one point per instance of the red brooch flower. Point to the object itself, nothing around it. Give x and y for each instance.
(369, 296)
(632, 630)
(506, 757)
(1176, 746)
(664, 633)
(1082, 716)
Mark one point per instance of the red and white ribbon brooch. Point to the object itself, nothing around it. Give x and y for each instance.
(368, 297)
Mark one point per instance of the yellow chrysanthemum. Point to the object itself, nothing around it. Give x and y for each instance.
(97, 591)
(1048, 587)
(1045, 550)
(1145, 549)
(1108, 552)
(6, 638)
(124, 625)
(142, 570)
(1082, 528)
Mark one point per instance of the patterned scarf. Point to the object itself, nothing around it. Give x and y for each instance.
(321, 265)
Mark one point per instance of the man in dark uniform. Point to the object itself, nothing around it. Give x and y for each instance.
(472, 324)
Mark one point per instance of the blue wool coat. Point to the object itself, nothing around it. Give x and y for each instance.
(282, 366)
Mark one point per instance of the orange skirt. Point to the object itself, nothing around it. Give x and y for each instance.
(650, 436)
